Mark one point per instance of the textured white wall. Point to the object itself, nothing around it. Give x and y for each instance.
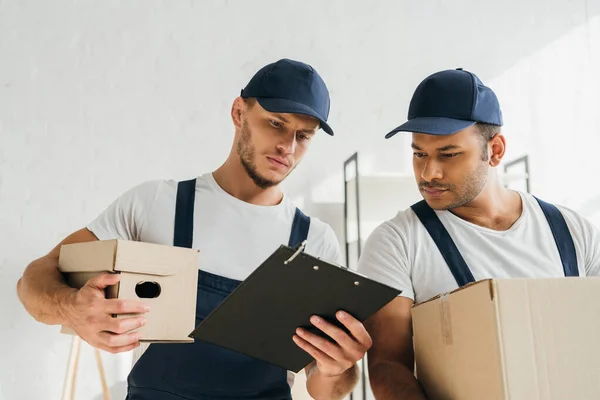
(98, 96)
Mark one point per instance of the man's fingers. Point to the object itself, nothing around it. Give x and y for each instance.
(101, 281)
(341, 337)
(356, 328)
(123, 325)
(122, 349)
(113, 341)
(332, 350)
(349, 346)
(318, 355)
(118, 306)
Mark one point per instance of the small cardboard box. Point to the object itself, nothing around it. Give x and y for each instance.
(517, 339)
(164, 277)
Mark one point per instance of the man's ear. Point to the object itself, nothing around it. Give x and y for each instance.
(237, 109)
(497, 148)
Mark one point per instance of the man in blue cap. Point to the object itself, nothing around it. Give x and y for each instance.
(238, 217)
(468, 227)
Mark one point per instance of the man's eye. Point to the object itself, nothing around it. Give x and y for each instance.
(275, 124)
(419, 154)
(449, 155)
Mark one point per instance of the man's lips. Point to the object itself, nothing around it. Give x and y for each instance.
(433, 191)
(278, 161)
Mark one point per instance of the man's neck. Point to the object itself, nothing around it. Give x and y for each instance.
(233, 179)
(496, 207)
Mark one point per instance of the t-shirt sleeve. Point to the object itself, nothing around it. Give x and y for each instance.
(332, 251)
(592, 254)
(323, 242)
(587, 240)
(124, 219)
(384, 259)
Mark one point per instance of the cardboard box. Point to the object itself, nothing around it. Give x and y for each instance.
(165, 277)
(517, 339)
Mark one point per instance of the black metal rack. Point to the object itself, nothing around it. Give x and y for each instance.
(348, 163)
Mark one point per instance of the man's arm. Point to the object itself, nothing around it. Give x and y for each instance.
(42, 288)
(391, 358)
(334, 373)
(49, 300)
(321, 386)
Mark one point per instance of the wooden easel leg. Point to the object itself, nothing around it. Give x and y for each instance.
(69, 387)
(105, 390)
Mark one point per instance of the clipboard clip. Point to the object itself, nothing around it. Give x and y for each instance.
(299, 250)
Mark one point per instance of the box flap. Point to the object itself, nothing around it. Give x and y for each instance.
(96, 256)
(152, 259)
(468, 285)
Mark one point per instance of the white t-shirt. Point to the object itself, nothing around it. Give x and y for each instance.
(234, 237)
(401, 253)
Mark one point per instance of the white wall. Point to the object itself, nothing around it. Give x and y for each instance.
(551, 101)
(98, 96)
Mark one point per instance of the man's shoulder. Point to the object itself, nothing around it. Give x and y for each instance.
(575, 221)
(403, 222)
(153, 191)
(582, 230)
(573, 218)
(169, 186)
(400, 228)
(322, 241)
(317, 226)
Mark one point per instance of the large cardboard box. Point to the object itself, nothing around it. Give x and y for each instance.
(165, 277)
(517, 339)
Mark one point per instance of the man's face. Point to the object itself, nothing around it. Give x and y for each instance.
(271, 145)
(450, 170)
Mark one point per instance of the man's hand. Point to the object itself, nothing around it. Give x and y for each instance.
(89, 314)
(335, 358)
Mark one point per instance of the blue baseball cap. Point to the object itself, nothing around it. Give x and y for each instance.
(289, 86)
(448, 102)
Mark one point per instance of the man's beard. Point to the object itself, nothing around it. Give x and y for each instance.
(470, 188)
(247, 153)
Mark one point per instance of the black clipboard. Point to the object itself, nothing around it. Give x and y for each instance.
(261, 315)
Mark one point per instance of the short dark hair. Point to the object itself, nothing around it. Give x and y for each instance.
(250, 102)
(487, 132)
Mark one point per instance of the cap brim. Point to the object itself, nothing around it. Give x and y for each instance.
(432, 126)
(292, 107)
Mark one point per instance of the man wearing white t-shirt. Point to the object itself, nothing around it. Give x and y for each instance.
(468, 227)
(236, 216)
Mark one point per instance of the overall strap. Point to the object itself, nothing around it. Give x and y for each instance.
(300, 228)
(183, 234)
(562, 237)
(444, 243)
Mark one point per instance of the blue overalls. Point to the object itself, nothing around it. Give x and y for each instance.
(459, 268)
(202, 371)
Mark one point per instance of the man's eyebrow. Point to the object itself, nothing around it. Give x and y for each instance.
(281, 117)
(448, 147)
